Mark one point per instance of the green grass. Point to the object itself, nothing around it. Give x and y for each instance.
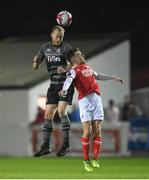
(72, 168)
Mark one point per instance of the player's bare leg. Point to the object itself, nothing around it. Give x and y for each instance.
(62, 110)
(47, 131)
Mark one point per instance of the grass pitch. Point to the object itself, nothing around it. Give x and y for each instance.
(72, 168)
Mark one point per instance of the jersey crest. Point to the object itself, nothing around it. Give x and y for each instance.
(87, 72)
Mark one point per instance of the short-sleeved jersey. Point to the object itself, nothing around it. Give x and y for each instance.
(55, 57)
(85, 81)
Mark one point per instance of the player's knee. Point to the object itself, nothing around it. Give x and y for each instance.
(96, 133)
(86, 134)
(62, 112)
(48, 115)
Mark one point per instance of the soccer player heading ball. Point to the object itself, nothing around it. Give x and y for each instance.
(90, 103)
(53, 53)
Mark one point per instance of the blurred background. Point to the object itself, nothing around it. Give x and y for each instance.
(114, 37)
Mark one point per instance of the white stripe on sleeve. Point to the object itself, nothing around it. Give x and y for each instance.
(70, 76)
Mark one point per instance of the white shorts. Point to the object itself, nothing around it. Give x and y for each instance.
(91, 108)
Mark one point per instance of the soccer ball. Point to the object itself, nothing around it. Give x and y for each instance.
(64, 18)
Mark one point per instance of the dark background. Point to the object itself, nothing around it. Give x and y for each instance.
(25, 17)
(35, 17)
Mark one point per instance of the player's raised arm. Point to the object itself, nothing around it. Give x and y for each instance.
(38, 58)
(104, 77)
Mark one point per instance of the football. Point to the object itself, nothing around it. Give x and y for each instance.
(64, 18)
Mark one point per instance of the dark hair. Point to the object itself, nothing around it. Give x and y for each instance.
(71, 53)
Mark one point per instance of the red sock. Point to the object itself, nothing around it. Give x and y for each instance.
(97, 147)
(85, 147)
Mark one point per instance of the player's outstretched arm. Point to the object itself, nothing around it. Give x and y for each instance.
(104, 77)
(36, 63)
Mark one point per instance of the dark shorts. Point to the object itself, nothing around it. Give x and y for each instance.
(54, 98)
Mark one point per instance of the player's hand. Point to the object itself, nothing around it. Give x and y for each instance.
(61, 70)
(116, 78)
(62, 93)
(35, 65)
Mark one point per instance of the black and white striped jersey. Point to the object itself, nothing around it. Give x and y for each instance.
(54, 57)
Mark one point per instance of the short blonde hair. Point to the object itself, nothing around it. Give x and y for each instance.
(59, 28)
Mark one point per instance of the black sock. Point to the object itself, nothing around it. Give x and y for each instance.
(66, 128)
(47, 130)
(66, 137)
